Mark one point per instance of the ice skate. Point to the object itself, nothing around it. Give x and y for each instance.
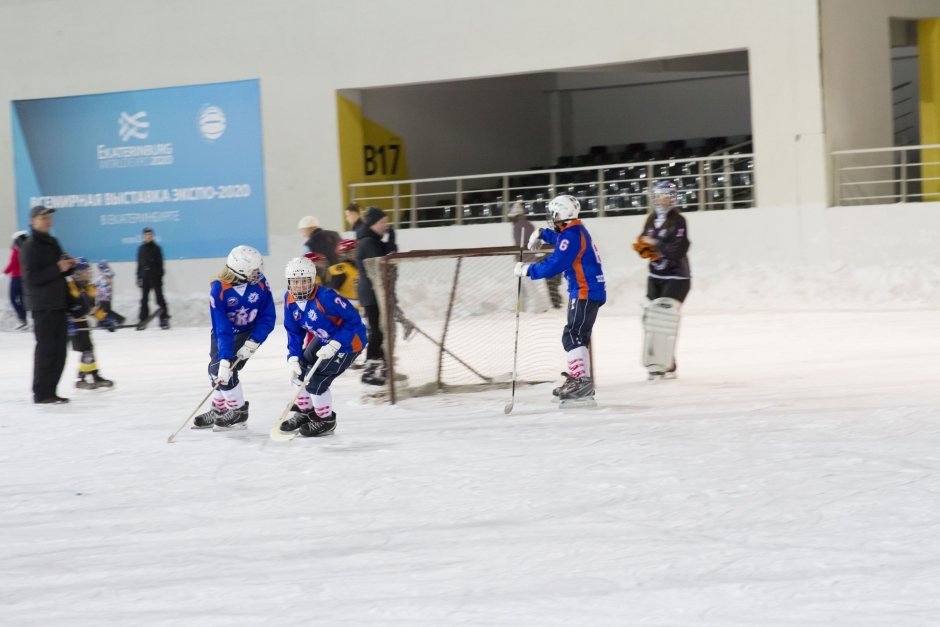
(580, 393)
(233, 419)
(317, 427)
(297, 420)
(374, 374)
(564, 386)
(100, 381)
(207, 420)
(83, 384)
(22, 326)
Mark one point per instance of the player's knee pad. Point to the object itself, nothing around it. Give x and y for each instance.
(660, 327)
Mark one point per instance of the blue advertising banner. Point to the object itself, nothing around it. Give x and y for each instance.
(185, 161)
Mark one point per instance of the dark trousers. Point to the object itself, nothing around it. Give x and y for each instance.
(668, 288)
(157, 286)
(581, 317)
(16, 297)
(237, 342)
(323, 377)
(52, 339)
(374, 349)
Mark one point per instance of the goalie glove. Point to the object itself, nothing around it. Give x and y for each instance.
(328, 350)
(521, 269)
(535, 240)
(646, 248)
(247, 350)
(225, 371)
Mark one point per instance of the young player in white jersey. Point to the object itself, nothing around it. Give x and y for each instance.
(243, 315)
(338, 337)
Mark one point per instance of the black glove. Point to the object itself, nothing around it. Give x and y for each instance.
(140, 282)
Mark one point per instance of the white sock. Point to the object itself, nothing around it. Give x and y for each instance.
(234, 398)
(304, 402)
(323, 404)
(218, 401)
(579, 362)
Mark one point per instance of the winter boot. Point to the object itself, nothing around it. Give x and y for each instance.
(207, 420)
(100, 381)
(297, 420)
(317, 426)
(165, 323)
(578, 388)
(374, 373)
(232, 419)
(564, 386)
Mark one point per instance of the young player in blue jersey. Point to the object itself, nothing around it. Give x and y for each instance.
(243, 315)
(338, 337)
(576, 256)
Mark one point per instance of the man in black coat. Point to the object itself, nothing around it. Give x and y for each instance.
(150, 277)
(45, 267)
(369, 244)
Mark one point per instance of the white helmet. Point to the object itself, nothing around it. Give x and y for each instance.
(246, 263)
(665, 193)
(563, 208)
(300, 272)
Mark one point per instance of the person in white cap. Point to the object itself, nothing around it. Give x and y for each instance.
(319, 241)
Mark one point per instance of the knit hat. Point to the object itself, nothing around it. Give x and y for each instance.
(372, 215)
(147, 229)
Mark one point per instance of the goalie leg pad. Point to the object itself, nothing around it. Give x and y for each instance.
(660, 327)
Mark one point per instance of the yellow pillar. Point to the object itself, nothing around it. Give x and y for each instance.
(928, 44)
(370, 152)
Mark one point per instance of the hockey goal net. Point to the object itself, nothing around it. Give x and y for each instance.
(449, 320)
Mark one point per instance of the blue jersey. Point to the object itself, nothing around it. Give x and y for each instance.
(576, 256)
(239, 308)
(328, 316)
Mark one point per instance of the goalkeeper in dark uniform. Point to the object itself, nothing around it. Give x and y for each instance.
(665, 243)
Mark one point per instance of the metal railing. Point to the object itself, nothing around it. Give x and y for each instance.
(723, 180)
(886, 175)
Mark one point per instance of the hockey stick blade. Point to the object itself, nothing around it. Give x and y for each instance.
(508, 408)
(282, 436)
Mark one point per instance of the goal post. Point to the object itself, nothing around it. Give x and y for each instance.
(448, 318)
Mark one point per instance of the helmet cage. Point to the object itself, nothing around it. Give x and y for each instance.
(300, 287)
(300, 273)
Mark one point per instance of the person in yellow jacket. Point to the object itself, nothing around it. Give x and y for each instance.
(343, 276)
(82, 304)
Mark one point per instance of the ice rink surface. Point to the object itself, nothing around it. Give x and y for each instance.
(788, 477)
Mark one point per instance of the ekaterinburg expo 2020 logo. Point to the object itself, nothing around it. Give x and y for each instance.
(133, 126)
(211, 122)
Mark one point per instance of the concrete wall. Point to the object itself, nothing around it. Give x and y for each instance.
(304, 52)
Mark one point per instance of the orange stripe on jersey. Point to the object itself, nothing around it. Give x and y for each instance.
(336, 320)
(357, 344)
(579, 270)
(290, 298)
